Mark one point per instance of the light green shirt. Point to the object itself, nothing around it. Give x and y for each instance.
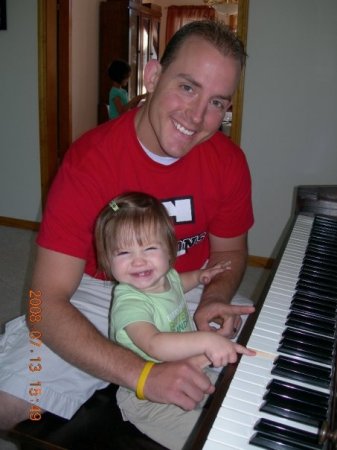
(167, 311)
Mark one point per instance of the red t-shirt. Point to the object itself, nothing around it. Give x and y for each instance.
(206, 191)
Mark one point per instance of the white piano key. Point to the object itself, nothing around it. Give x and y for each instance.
(245, 415)
(233, 440)
(239, 412)
(272, 317)
(263, 345)
(246, 387)
(271, 328)
(248, 369)
(251, 396)
(218, 445)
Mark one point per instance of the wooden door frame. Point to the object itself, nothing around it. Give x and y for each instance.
(54, 87)
(243, 8)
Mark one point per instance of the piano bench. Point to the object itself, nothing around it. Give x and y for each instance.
(97, 425)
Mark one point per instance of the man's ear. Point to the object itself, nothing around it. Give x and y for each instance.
(152, 73)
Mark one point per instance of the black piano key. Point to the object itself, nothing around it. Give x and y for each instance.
(304, 395)
(311, 324)
(318, 258)
(302, 350)
(272, 435)
(309, 338)
(308, 411)
(325, 248)
(323, 241)
(292, 410)
(271, 443)
(319, 291)
(324, 237)
(312, 254)
(307, 307)
(325, 283)
(311, 262)
(322, 271)
(325, 244)
(317, 273)
(316, 321)
(329, 299)
(323, 291)
(315, 301)
(294, 369)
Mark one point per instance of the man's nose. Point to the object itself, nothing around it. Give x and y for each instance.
(198, 110)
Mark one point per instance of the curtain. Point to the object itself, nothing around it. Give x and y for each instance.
(177, 16)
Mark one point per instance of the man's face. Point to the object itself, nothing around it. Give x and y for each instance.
(187, 101)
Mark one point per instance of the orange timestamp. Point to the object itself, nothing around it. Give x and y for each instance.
(35, 360)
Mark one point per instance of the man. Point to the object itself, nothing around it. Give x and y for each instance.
(169, 148)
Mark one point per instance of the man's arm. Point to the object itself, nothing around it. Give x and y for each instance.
(68, 333)
(214, 305)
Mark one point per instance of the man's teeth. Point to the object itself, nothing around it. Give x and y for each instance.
(183, 129)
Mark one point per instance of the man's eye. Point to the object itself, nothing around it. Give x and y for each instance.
(186, 87)
(218, 104)
(221, 104)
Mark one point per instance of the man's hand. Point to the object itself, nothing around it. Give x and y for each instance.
(182, 383)
(227, 317)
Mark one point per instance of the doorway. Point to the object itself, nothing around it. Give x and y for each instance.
(54, 19)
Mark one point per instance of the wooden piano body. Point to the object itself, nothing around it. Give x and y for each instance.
(310, 201)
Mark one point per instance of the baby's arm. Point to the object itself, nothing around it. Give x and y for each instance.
(192, 279)
(176, 346)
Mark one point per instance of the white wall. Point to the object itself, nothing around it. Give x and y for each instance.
(20, 191)
(289, 130)
(19, 128)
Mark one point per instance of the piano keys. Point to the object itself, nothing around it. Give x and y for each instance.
(280, 398)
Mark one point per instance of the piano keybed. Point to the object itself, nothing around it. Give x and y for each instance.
(279, 398)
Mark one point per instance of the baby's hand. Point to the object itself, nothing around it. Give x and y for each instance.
(224, 351)
(206, 275)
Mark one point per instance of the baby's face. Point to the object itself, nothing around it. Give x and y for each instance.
(142, 265)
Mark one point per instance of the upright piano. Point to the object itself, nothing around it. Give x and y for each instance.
(284, 398)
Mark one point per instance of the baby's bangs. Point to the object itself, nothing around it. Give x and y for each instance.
(141, 229)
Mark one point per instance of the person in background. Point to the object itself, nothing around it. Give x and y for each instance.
(137, 248)
(119, 72)
(170, 148)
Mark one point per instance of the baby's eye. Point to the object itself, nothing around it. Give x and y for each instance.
(122, 253)
(150, 248)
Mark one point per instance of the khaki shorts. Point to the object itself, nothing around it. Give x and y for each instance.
(167, 424)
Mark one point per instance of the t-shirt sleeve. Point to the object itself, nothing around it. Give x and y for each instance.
(127, 308)
(234, 212)
(74, 201)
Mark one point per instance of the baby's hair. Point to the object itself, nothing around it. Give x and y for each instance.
(132, 215)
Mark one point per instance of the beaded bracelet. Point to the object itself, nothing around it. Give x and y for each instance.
(142, 379)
